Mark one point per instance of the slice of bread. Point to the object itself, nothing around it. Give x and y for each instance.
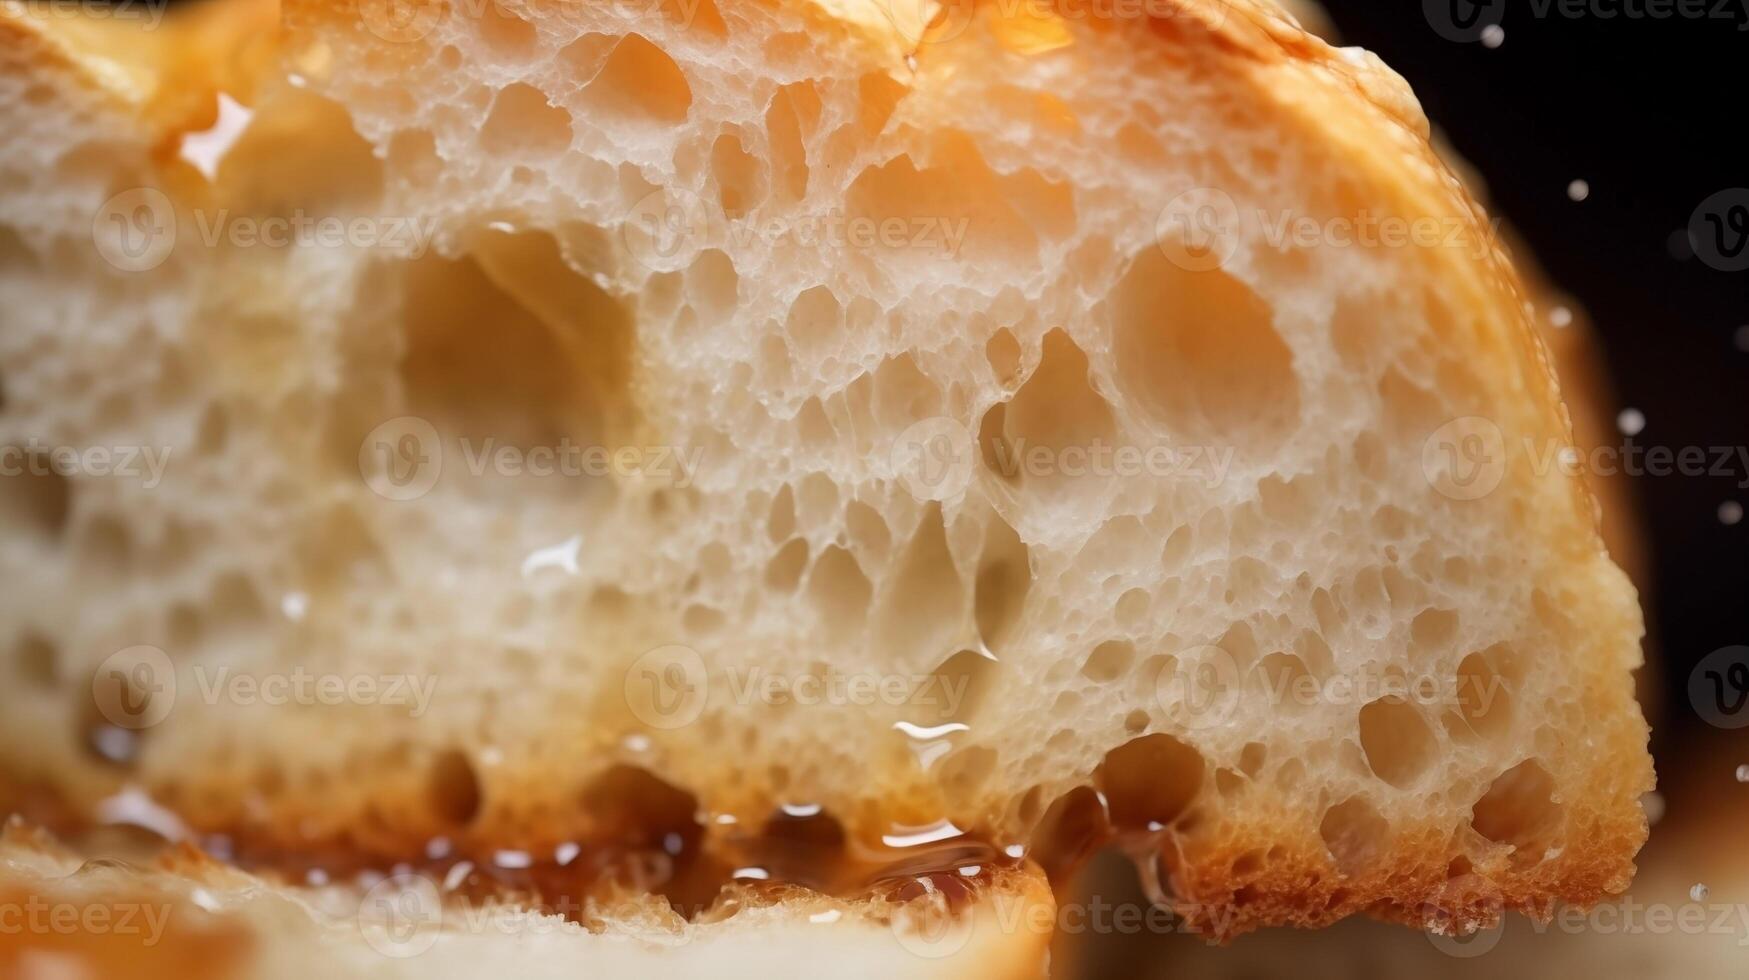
(975, 434)
(183, 916)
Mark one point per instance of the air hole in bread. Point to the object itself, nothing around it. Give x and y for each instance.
(1398, 744)
(1519, 809)
(1149, 781)
(1484, 700)
(1200, 351)
(1057, 409)
(36, 659)
(454, 788)
(784, 571)
(36, 499)
(922, 606)
(1109, 660)
(966, 676)
(523, 123)
(840, 592)
(1355, 834)
(1004, 579)
(740, 177)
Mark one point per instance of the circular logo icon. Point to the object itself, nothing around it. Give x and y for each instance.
(1463, 21)
(667, 687)
(1465, 897)
(400, 21)
(1465, 459)
(135, 230)
(135, 687)
(1719, 230)
(928, 927)
(666, 229)
(1718, 687)
(934, 458)
(1199, 688)
(921, 22)
(401, 915)
(1199, 229)
(401, 459)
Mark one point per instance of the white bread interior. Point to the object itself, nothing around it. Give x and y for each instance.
(530, 140)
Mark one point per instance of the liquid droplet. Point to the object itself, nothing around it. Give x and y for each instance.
(1743, 774)
(1698, 892)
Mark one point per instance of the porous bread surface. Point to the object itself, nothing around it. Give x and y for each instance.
(1060, 618)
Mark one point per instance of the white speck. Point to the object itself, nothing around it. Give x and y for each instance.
(1015, 850)
(1578, 190)
(294, 605)
(1560, 317)
(562, 555)
(205, 899)
(1743, 338)
(755, 874)
(1653, 804)
(1743, 774)
(1730, 512)
(1493, 36)
(437, 848)
(132, 806)
(567, 852)
(971, 870)
(501, 226)
(1569, 457)
(315, 877)
(491, 755)
(204, 150)
(457, 875)
(1698, 893)
(635, 743)
(115, 744)
(512, 859)
(726, 820)
(801, 810)
(830, 915)
(673, 843)
(1631, 421)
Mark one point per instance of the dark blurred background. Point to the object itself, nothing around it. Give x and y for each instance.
(1650, 114)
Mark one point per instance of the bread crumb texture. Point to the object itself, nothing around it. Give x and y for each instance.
(798, 407)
